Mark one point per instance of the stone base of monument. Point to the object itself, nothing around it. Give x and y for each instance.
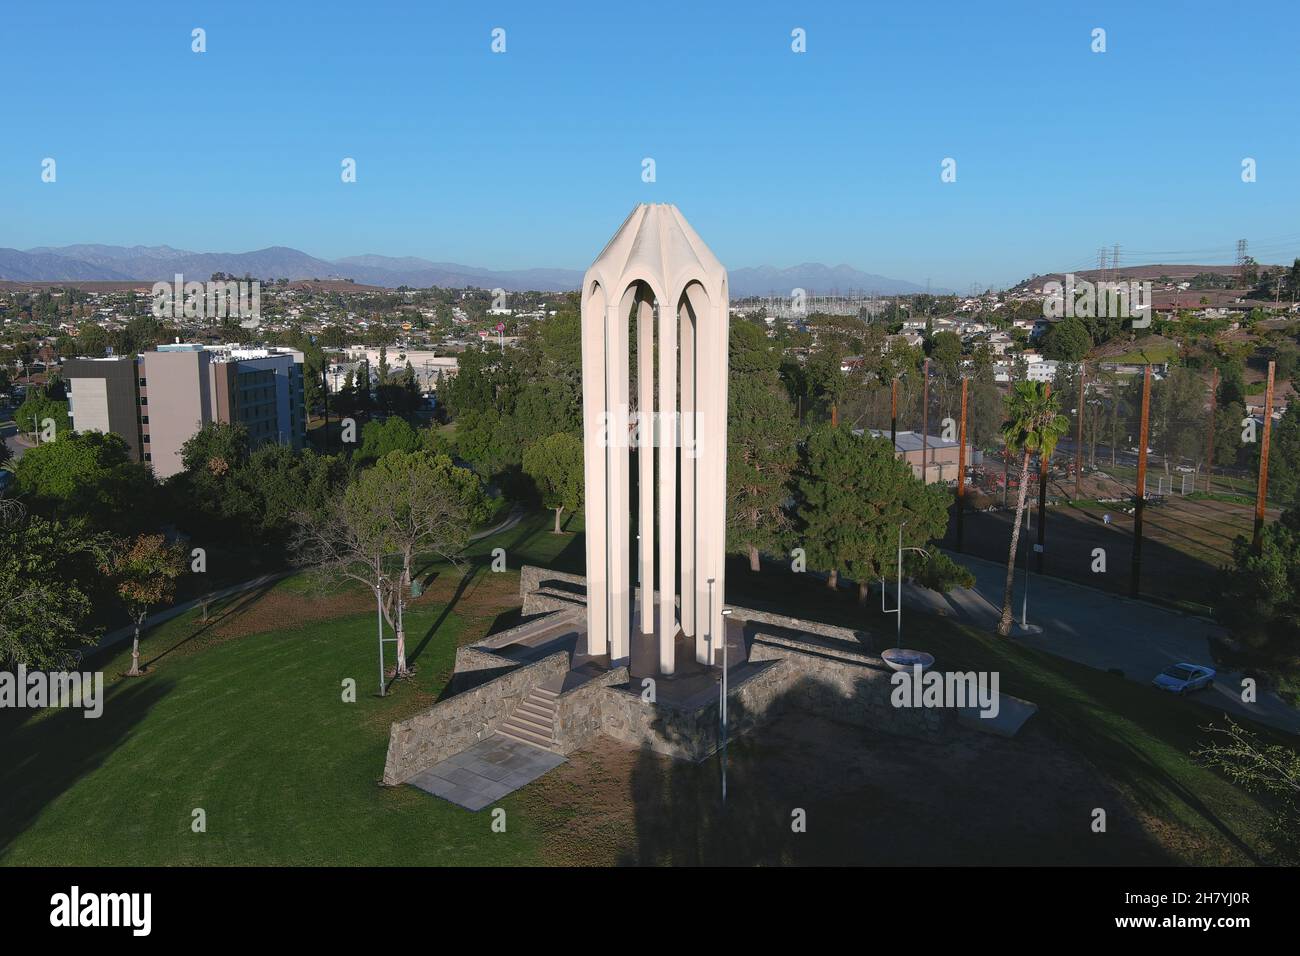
(776, 664)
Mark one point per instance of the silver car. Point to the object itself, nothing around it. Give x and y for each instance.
(1183, 678)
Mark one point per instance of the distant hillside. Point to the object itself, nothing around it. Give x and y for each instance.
(1179, 273)
(816, 279)
(152, 263)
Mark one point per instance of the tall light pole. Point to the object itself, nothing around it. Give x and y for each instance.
(1024, 606)
(899, 609)
(722, 707)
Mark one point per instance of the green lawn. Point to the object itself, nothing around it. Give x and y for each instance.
(253, 730)
(249, 725)
(1155, 354)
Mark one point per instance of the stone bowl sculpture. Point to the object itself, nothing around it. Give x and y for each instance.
(904, 658)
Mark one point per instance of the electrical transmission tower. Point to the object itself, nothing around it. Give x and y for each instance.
(1101, 261)
(1241, 260)
(1114, 263)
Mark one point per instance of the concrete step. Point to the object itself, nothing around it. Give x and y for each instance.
(546, 714)
(525, 737)
(544, 693)
(529, 722)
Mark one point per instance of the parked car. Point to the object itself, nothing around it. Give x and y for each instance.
(1183, 678)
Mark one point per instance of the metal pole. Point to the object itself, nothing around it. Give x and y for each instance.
(1024, 604)
(1078, 439)
(325, 393)
(1042, 496)
(1261, 491)
(899, 634)
(893, 412)
(1209, 435)
(961, 470)
(925, 425)
(713, 641)
(1140, 499)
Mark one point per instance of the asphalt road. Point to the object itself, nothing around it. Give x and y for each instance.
(1101, 630)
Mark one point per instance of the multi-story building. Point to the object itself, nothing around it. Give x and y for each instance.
(430, 369)
(158, 400)
(103, 396)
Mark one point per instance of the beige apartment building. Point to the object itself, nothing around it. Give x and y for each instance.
(158, 400)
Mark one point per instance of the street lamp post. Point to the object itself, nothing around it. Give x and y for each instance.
(722, 710)
(899, 608)
(1024, 604)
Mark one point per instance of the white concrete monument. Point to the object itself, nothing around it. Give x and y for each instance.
(657, 266)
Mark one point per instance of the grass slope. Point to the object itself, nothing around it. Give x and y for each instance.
(248, 724)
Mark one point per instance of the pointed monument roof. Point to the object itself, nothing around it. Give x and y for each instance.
(657, 245)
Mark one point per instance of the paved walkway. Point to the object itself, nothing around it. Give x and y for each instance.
(483, 774)
(1099, 629)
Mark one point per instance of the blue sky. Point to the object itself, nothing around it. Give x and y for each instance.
(533, 157)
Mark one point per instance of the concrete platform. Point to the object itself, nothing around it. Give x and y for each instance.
(483, 774)
(1012, 714)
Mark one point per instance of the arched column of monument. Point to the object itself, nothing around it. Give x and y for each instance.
(686, 350)
(711, 322)
(645, 350)
(618, 500)
(667, 487)
(595, 309)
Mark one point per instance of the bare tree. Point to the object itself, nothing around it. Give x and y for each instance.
(409, 503)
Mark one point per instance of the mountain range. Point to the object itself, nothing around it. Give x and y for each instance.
(89, 263)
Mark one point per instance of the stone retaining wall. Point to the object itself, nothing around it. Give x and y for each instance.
(818, 668)
(580, 712)
(538, 598)
(847, 689)
(459, 722)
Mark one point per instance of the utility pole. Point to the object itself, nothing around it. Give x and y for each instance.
(1078, 437)
(925, 425)
(1261, 493)
(325, 394)
(893, 412)
(961, 469)
(1209, 431)
(1042, 497)
(1140, 498)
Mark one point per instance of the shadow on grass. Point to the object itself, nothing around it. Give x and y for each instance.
(232, 609)
(1131, 733)
(865, 797)
(46, 754)
(1140, 742)
(466, 579)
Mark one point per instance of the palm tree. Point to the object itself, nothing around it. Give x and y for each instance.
(1034, 425)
